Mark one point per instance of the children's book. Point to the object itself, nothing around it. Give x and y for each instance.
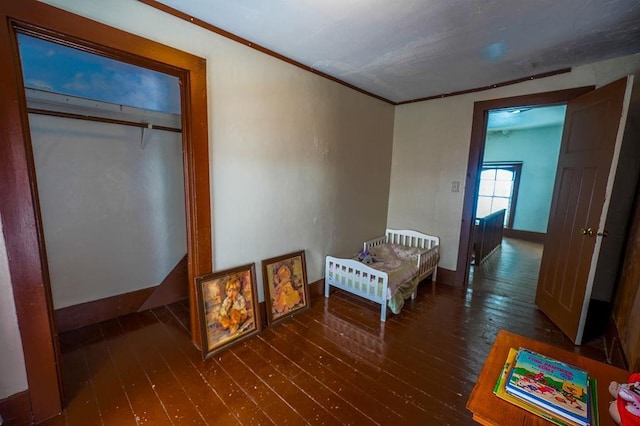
(555, 386)
(500, 392)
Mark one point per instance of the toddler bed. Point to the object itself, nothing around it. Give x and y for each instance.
(400, 260)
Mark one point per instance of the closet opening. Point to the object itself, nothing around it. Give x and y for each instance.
(23, 224)
(107, 154)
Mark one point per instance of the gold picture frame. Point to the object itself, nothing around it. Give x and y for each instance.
(227, 308)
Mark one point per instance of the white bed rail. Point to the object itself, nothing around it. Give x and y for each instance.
(374, 242)
(404, 237)
(356, 278)
(428, 263)
(409, 238)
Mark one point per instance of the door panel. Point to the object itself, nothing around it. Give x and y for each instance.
(580, 137)
(586, 154)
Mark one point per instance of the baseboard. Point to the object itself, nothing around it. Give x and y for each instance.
(613, 347)
(445, 276)
(316, 289)
(262, 307)
(534, 237)
(16, 409)
(172, 289)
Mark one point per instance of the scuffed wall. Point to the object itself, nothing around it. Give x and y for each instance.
(297, 162)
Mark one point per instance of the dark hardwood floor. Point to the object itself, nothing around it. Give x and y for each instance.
(333, 364)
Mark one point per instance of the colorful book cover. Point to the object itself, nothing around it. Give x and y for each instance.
(553, 385)
(500, 392)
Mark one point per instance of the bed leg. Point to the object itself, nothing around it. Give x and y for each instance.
(435, 274)
(326, 288)
(413, 295)
(383, 312)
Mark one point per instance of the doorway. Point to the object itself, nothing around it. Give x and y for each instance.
(587, 166)
(19, 211)
(521, 147)
(476, 155)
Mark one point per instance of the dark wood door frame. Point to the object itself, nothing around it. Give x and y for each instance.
(476, 153)
(19, 209)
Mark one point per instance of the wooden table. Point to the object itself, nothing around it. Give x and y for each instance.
(488, 409)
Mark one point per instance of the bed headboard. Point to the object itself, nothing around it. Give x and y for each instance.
(407, 237)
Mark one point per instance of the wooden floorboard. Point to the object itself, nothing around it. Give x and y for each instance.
(335, 363)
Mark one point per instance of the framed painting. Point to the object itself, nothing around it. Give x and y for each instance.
(227, 308)
(285, 286)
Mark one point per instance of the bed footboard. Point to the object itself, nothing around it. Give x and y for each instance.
(409, 238)
(357, 278)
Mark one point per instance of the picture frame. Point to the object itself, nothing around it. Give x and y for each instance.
(227, 308)
(286, 291)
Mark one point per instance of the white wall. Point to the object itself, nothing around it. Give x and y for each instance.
(113, 209)
(326, 148)
(537, 149)
(431, 148)
(297, 162)
(13, 377)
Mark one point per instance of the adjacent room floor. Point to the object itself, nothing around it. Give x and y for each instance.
(333, 364)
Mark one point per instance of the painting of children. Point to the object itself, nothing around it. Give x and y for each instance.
(228, 307)
(233, 311)
(285, 285)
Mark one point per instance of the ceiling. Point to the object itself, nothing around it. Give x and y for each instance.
(404, 50)
(525, 118)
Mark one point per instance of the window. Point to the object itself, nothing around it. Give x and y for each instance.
(499, 190)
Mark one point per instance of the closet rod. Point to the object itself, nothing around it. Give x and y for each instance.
(100, 119)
